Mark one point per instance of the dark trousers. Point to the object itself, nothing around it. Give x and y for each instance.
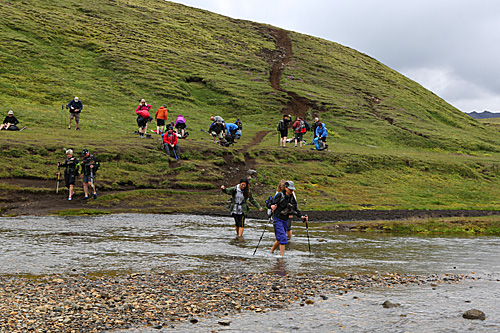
(177, 150)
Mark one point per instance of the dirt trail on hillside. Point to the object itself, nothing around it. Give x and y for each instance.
(297, 105)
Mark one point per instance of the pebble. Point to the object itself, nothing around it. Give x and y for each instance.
(69, 303)
(474, 314)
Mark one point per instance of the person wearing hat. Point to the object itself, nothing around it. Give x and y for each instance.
(71, 171)
(75, 107)
(284, 207)
(238, 207)
(10, 122)
(161, 116)
(89, 168)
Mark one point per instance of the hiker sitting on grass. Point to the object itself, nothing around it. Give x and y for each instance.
(10, 122)
(143, 117)
(170, 142)
(71, 171)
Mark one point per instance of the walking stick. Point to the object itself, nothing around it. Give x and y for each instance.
(307, 230)
(57, 183)
(268, 220)
(62, 115)
(175, 154)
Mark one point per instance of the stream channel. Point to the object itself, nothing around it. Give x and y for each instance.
(128, 243)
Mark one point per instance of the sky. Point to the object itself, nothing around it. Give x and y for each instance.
(448, 46)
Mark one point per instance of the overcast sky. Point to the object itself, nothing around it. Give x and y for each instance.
(449, 46)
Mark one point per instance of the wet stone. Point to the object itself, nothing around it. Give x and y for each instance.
(474, 314)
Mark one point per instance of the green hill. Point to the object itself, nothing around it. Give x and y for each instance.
(393, 144)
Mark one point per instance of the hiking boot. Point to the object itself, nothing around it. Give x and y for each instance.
(95, 195)
(78, 128)
(69, 198)
(69, 127)
(85, 198)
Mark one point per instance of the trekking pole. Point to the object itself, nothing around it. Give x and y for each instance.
(175, 154)
(62, 115)
(307, 230)
(265, 226)
(57, 182)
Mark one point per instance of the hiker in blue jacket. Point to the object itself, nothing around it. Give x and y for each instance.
(321, 135)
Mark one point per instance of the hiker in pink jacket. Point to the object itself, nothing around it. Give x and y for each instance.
(143, 117)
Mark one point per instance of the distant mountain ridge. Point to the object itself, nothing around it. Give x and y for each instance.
(483, 115)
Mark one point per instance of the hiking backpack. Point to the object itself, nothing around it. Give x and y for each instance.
(281, 125)
(307, 126)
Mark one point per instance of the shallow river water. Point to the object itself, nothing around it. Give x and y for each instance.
(202, 244)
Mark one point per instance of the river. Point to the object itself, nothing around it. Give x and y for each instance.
(117, 244)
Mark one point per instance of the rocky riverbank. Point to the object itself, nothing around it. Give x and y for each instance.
(58, 303)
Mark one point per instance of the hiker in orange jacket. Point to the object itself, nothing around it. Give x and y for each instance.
(161, 116)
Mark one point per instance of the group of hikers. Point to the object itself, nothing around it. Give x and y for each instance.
(89, 166)
(300, 126)
(281, 208)
(224, 133)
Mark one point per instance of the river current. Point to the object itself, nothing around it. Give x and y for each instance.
(116, 244)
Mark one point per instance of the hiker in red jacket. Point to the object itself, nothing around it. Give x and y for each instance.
(300, 129)
(143, 117)
(170, 142)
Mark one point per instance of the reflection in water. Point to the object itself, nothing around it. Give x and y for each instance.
(206, 245)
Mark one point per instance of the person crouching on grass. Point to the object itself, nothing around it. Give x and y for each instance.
(284, 208)
(239, 208)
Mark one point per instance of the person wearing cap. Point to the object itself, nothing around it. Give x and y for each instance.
(89, 168)
(71, 171)
(284, 207)
(170, 142)
(161, 116)
(314, 126)
(238, 207)
(143, 117)
(10, 122)
(75, 107)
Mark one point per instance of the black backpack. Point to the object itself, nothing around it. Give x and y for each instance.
(307, 125)
(281, 125)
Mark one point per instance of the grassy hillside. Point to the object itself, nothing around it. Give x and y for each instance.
(393, 144)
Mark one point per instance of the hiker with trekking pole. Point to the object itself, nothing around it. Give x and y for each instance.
(70, 173)
(90, 165)
(238, 207)
(170, 142)
(284, 207)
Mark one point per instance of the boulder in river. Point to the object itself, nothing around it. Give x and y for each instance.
(474, 314)
(389, 304)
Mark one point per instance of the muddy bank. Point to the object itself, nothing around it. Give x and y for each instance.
(85, 304)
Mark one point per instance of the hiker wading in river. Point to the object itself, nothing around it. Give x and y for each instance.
(284, 207)
(239, 207)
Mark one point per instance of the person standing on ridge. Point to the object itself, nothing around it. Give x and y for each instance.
(143, 117)
(284, 207)
(71, 171)
(75, 107)
(89, 168)
(161, 116)
(239, 209)
(300, 128)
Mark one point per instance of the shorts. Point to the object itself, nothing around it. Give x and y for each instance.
(288, 226)
(180, 126)
(69, 178)
(160, 122)
(75, 115)
(86, 179)
(280, 230)
(239, 220)
(284, 133)
(141, 122)
(298, 136)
